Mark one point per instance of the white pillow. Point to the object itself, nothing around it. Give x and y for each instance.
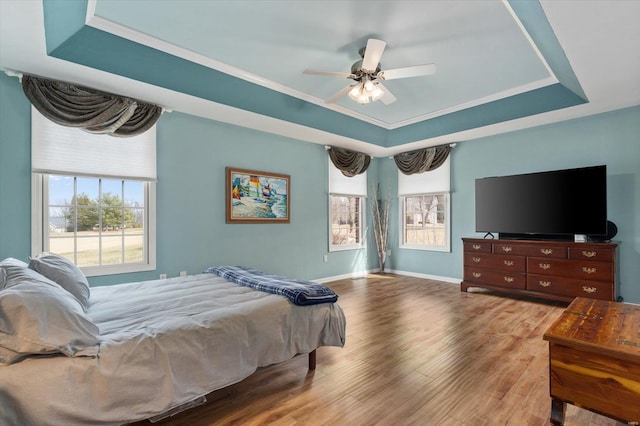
(40, 318)
(3, 277)
(62, 271)
(17, 271)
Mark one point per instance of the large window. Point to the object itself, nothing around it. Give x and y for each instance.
(425, 210)
(347, 197)
(96, 222)
(86, 206)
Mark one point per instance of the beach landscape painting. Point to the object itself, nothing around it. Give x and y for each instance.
(257, 197)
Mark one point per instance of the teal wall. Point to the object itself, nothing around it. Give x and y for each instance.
(192, 234)
(15, 170)
(193, 153)
(612, 138)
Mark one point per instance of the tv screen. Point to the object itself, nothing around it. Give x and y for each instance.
(560, 202)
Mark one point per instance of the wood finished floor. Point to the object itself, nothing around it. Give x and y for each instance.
(418, 352)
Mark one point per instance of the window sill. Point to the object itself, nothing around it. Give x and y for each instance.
(94, 271)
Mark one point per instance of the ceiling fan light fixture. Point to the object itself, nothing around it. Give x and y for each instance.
(376, 93)
(356, 92)
(368, 86)
(365, 92)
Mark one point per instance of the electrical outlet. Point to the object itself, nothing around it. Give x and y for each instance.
(163, 276)
(183, 273)
(325, 258)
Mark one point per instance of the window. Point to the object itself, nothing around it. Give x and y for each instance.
(346, 210)
(346, 213)
(102, 222)
(96, 222)
(425, 209)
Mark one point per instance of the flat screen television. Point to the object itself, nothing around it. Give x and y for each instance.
(548, 205)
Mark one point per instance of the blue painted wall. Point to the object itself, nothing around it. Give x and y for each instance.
(192, 234)
(611, 138)
(193, 152)
(15, 170)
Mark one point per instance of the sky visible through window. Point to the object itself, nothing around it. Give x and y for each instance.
(61, 189)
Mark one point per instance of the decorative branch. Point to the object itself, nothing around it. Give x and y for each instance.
(380, 220)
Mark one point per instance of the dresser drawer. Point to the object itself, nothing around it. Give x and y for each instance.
(592, 254)
(493, 261)
(496, 278)
(553, 252)
(597, 271)
(570, 286)
(477, 246)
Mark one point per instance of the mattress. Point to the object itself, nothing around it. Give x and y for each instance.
(163, 344)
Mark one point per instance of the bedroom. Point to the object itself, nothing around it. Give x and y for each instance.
(191, 181)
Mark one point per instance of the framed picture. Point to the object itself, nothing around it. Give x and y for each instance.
(257, 197)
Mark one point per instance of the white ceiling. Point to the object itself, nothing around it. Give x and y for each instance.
(480, 48)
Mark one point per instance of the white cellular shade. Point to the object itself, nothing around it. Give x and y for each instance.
(435, 181)
(65, 150)
(340, 184)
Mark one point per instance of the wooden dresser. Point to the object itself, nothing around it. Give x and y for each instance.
(594, 360)
(557, 270)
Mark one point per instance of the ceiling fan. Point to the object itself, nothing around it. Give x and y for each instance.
(368, 76)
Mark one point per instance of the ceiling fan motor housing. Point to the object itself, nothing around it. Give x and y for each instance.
(358, 72)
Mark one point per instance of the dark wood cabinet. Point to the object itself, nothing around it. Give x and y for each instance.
(557, 270)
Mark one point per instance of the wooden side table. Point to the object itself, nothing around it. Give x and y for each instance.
(594, 360)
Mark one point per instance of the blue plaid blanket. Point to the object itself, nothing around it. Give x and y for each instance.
(297, 291)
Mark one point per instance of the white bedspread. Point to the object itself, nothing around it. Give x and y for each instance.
(163, 344)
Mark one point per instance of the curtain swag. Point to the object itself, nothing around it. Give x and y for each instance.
(89, 109)
(422, 160)
(350, 163)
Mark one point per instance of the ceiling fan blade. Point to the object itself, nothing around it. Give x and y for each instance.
(372, 54)
(415, 71)
(338, 95)
(388, 97)
(328, 73)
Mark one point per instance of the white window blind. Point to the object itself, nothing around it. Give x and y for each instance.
(65, 150)
(435, 181)
(341, 184)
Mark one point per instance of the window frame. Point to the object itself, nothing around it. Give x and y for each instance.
(40, 228)
(361, 220)
(447, 224)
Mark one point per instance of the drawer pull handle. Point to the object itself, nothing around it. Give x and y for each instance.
(507, 249)
(477, 274)
(508, 262)
(545, 266)
(589, 290)
(588, 253)
(546, 251)
(509, 279)
(589, 270)
(545, 283)
(476, 246)
(476, 259)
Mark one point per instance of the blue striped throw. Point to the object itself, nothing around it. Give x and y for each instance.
(297, 291)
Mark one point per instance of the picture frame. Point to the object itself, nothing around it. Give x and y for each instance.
(257, 197)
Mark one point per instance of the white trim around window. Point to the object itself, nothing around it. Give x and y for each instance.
(40, 229)
(346, 233)
(430, 227)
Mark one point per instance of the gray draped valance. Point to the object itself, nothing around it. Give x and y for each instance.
(422, 160)
(89, 109)
(350, 163)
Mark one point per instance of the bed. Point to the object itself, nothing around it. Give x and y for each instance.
(162, 345)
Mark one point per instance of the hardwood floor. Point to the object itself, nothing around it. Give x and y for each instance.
(418, 352)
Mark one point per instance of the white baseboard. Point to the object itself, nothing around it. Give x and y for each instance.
(426, 276)
(353, 275)
(391, 271)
